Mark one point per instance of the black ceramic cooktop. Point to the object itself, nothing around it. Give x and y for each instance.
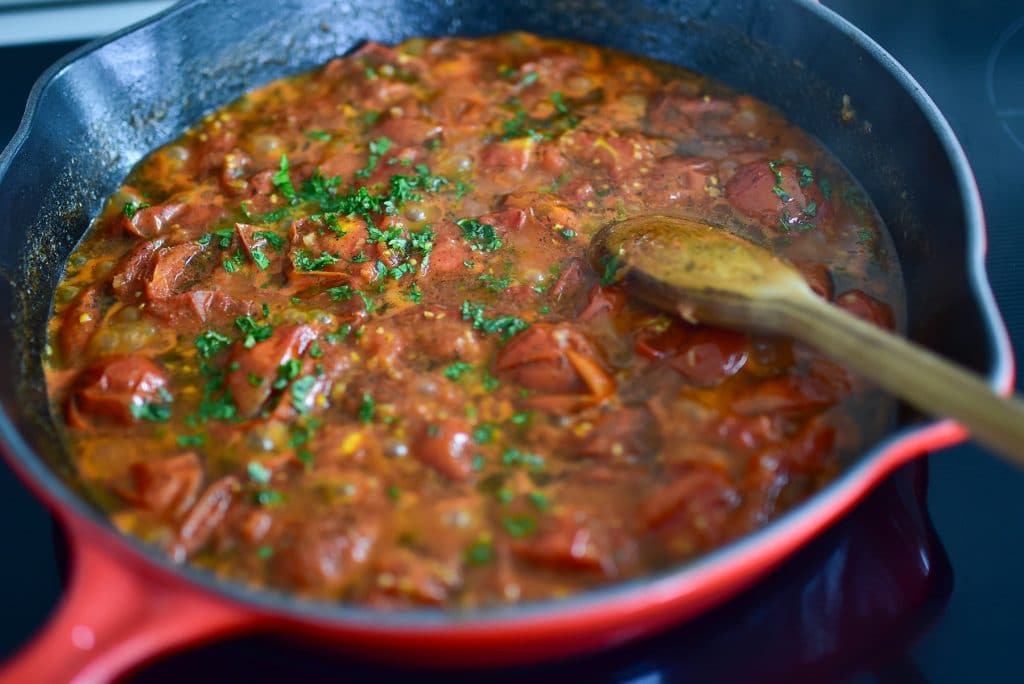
(921, 583)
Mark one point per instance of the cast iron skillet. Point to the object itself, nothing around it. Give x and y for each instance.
(92, 116)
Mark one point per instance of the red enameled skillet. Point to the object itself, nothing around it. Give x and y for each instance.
(93, 115)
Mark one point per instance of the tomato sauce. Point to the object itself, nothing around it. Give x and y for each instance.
(340, 339)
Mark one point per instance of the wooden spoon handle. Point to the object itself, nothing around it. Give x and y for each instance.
(908, 371)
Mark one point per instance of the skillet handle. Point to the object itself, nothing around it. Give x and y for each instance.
(113, 618)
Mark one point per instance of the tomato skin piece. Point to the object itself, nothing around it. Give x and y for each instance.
(818, 278)
(205, 516)
(113, 388)
(695, 493)
(536, 358)
(626, 434)
(446, 446)
(193, 219)
(867, 308)
(325, 553)
(711, 356)
(566, 543)
(755, 191)
(81, 320)
(166, 486)
(261, 361)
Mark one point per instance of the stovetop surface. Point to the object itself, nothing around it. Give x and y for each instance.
(908, 588)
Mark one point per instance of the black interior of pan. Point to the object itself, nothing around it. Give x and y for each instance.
(99, 114)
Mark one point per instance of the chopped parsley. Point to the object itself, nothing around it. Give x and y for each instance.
(367, 409)
(253, 331)
(456, 370)
(151, 411)
(233, 263)
(514, 457)
(275, 240)
(519, 526)
(322, 136)
(268, 497)
(484, 433)
(209, 343)
(131, 208)
(377, 149)
(286, 372)
(506, 326)
(539, 500)
(258, 473)
(494, 284)
(480, 552)
(341, 293)
(191, 440)
(283, 182)
(489, 382)
(300, 392)
(304, 262)
(480, 236)
(414, 294)
(612, 264)
(261, 260)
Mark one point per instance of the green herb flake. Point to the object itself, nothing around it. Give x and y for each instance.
(265, 552)
(414, 294)
(306, 263)
(484, 433)
(480, 552)
(519, 526)
(367, 409)
(377, 149)
(480, 236)
(283, 182)
(489, 382)
(152, 411)
(261, 260)
(559, 101)
(394, 493)
(131, 208)
(258, 473)
(253, 331)
(506, 326)
(268, 497)
(275, 240)
(286, 372)
(301, 388)
(539, 500)
(209, 343)
(341, 293)
(612, 264)
(456, 370)
(191, 440)
(322, 136)
(514, 457)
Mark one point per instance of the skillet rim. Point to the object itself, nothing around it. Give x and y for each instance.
(749, 555)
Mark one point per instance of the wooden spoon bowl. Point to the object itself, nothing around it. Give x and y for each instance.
(706, 274)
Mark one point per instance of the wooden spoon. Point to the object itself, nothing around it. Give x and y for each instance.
(704, 273)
